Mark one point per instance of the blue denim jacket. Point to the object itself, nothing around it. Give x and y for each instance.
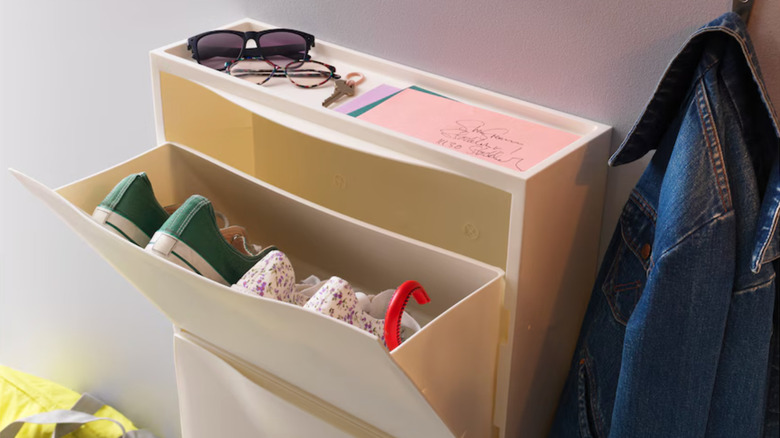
(676, 338)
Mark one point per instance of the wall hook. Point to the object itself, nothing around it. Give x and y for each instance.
(742, 8)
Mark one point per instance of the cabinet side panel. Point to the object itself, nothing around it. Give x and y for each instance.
(558, 264)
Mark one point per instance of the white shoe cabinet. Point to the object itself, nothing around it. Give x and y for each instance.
(508, 257)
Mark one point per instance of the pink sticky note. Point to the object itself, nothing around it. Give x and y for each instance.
(507, 141)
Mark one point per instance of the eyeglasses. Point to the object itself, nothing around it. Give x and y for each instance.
(305, 74)
(215, 48)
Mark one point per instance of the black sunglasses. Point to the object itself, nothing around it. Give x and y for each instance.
(215, 48)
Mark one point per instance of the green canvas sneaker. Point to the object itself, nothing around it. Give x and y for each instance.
(131, 210)
(191, 238)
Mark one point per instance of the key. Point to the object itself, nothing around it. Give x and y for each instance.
(343, 88)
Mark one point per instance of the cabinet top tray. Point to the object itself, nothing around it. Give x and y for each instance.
(296, 104)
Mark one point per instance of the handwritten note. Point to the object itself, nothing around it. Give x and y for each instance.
(507, 141)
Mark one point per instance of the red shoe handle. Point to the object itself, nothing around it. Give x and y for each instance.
(396, 310)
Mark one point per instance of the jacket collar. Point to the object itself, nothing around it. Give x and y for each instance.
(659, 113)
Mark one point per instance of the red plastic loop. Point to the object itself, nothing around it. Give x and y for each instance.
(396, 310)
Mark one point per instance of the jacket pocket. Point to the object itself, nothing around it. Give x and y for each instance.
(587, 404)
(632, 260)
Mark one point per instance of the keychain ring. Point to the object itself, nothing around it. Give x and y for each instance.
(355, 77)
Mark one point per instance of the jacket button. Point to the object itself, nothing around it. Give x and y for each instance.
(646, 251)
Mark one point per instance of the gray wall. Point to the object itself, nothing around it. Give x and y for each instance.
(75, 98)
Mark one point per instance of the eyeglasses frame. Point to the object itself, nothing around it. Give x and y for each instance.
(282, 71)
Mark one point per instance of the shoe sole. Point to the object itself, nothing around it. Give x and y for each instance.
(177, 252)
(121, 226)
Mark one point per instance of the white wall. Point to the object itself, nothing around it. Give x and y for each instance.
(75, 97)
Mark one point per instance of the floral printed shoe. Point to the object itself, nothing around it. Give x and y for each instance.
(377, 305)
(273, 277)
(337, 299)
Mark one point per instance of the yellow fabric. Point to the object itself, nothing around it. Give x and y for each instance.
(22, 395)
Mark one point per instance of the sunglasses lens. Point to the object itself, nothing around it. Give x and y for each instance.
(215, 49)
(282, 44)
(307, 74)
(253, 70)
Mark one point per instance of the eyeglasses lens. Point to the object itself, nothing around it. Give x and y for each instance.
(287, 45)
(215, 49)
(253, 70)
(307, 74)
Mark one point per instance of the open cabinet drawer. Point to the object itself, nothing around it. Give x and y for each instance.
(344, 368)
